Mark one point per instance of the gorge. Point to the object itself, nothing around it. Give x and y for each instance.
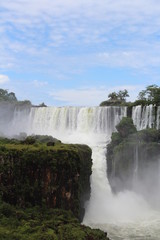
(124, 215)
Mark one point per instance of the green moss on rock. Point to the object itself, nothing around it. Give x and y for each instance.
(56, 176)
(43, 224)
(133, 155)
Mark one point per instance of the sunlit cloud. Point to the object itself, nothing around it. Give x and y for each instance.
(37, 83)
(3, 79)
(43, 27)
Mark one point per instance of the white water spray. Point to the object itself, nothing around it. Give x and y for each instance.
(143, 117)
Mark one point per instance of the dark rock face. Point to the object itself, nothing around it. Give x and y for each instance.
(122, 164)
(56, 176)
(133, 162)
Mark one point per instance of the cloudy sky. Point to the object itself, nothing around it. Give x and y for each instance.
(67, 52)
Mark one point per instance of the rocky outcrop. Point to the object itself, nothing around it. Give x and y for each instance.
(133, 161)
(55, 176)
(43, 224)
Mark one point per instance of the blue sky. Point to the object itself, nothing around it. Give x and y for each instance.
(67, 52)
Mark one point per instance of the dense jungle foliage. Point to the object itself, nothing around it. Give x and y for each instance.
(43, 224)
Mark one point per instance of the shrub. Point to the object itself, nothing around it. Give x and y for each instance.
(126, 127)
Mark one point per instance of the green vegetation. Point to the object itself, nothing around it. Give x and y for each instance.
(126, 127)
(151, 95)
(39, 139)
(126, 146)
(32, 173)
(7, 96)
(116, 99)
(11, 98)
(120, 96)
(24, 103)
(42, 105)
(43, 224)
(149, 135)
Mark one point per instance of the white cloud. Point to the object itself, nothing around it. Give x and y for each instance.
(81, 17)
(37, 83)
(4, 79)
(51, 34)
(138, 59)
(91, 96)
(90, 7)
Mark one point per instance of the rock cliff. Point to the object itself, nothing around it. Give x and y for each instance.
(133, 161)
(57, 176)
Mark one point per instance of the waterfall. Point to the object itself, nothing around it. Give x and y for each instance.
(143, 116)
(64, 121)
(146, 117)
(54, 120)
(158, 118)
(124, 216)
(136, 162)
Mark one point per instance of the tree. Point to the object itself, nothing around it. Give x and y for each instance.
(12, 96)
(116, 99)
(3, 94)
(42, 105)
(142, 95)
(6, 96)
(120, 96)
(113, 96)
(126, 127)
(152, 94)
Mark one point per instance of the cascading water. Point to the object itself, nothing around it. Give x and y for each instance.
(135, 173)
(158, 118)
(143, 117)
(124, 216)
(146, 117)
